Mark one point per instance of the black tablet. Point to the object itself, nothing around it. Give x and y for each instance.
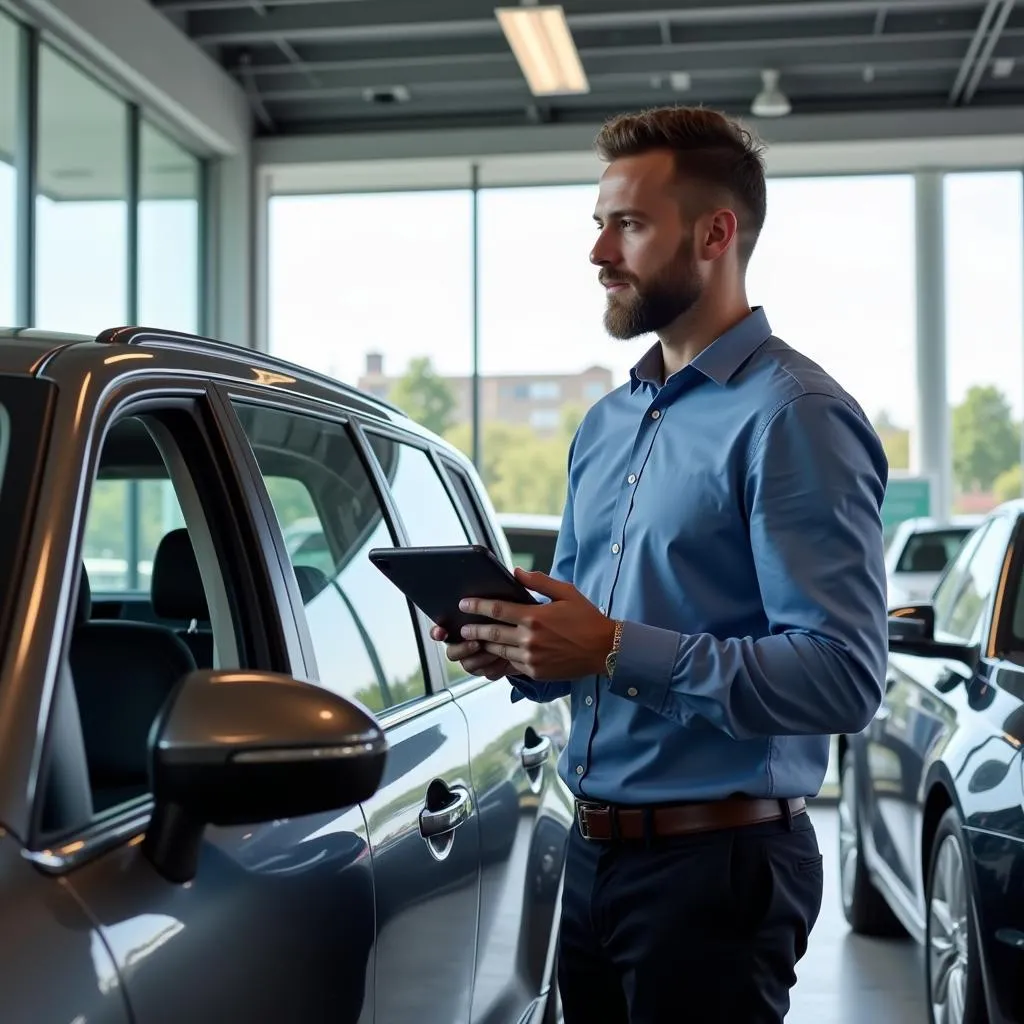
(436, 579)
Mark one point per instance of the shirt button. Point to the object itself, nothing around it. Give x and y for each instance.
(579, 769)
(615, 549)
(603, 610)
(655, 414)
(589, 701)
(632, 691)
(631, 479)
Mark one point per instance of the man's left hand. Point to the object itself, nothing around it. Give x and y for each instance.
(566, 639)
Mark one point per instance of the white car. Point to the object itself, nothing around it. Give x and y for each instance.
(919, 552)
(532, 539)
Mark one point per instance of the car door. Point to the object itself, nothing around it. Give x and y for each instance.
(44, 931)
(276, 920)
(927, 702)
(367, 645)
(524, 808)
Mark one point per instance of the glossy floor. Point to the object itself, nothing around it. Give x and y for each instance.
(845, 979)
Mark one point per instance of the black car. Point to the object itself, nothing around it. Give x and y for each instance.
(237, 785)
(932, 791)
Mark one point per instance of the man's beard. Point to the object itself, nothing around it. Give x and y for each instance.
(675, 291)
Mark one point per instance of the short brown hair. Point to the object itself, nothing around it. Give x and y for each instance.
(708, 146)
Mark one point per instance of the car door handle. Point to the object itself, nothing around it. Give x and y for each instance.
(535, 755)
(449, 817)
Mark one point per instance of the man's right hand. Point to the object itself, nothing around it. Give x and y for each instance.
(474, 660)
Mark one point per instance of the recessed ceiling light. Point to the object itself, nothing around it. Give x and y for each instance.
(389, 94)
(680, 80)
(1002, 67)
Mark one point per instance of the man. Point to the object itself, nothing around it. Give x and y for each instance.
(717, 607)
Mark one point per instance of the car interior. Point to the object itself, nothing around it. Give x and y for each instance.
(129, 648)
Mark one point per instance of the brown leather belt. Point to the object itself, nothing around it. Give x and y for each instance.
(604, 822)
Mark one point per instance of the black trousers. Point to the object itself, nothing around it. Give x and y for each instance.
(698, 929)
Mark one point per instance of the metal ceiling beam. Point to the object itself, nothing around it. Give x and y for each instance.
(823, 78)
(981, 65)
(346, 20)
(867, 49)
(706, 65)
(972, 51)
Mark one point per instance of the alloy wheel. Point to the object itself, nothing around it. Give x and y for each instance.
(948, 935)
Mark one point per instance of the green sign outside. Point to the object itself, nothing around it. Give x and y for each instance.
(906, 497)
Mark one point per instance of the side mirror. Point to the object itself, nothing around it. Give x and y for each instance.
(235, 747)
(912, 631)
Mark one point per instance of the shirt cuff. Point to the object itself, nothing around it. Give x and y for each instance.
(645, 664)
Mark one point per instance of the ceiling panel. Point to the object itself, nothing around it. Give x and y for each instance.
(357, 65)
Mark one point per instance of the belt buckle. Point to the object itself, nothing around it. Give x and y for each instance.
(581, 806)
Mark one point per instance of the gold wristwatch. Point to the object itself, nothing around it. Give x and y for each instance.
(613, 654)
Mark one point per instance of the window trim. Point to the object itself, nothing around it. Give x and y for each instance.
(65, 850)
(1002, 639)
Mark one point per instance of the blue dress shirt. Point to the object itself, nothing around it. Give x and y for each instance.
(731, 518)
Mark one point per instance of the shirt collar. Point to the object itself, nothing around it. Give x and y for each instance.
(719, 361)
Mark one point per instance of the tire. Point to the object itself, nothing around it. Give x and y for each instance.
(864, 907)
(955, 992)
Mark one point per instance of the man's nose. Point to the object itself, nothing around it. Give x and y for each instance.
(602, 254)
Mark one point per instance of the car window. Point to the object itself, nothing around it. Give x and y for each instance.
(979, 581)
(124, 671)
(128, 516)
(330, 514)
(533, 550)
(470, 505)
(930, 551)
(948, 588)
(423, 503)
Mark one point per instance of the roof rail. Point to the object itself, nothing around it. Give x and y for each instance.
(196, 342)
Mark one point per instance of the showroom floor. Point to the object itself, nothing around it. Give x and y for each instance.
(845, 979)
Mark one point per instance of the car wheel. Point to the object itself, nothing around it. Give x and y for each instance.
(863, 905)
(955, 993)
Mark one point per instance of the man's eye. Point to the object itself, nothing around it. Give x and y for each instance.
(627, 224)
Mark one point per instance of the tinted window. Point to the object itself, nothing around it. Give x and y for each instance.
(931, 551)
(331, 516)
(949, 586)
(532, 550)
(978, 582)
(424, 504)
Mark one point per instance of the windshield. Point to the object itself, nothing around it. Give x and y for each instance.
(931, 551)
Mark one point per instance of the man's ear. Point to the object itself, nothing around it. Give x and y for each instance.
(717, 230)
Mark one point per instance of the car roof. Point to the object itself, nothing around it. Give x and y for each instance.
(35, 352)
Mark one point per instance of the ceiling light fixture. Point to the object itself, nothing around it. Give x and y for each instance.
(771, 101)
(543, 45)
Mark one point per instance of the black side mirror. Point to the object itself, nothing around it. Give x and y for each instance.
(234, 747)
(912, 631)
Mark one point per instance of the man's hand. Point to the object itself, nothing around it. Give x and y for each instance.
(474, 660)
(565, 639)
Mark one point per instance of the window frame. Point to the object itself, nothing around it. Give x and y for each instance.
(339, 415)
(435, 662)
(218, 492)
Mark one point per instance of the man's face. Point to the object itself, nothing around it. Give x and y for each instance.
(645, 247)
